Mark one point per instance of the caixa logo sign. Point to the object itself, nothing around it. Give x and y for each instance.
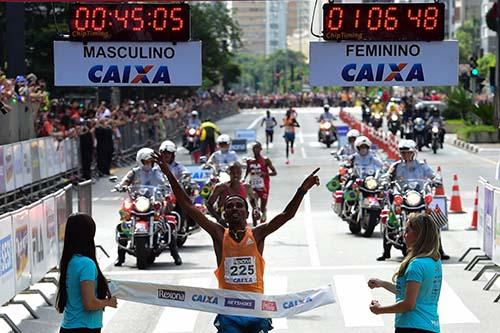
(136, 74)
(402, 72)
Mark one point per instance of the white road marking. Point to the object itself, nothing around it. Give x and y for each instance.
(277, 285)
(311, 240)
(451, 309)
(252, 125)
(95, 199)
(181, 320)
(354, 298)
(304, 155)
(475, 155)
(300, 136)
(109, 198)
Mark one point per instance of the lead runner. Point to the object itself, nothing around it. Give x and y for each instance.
(239, 248)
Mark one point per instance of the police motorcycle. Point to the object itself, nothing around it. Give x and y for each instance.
(218, 174)
(327, 133)
(366, 112)
(148, 222)
(419, 132)
(435, 137)
(407, 130)
(404, 198)
(376, 120)
(394, 123)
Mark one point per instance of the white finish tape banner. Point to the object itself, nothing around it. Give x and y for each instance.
(221, 301)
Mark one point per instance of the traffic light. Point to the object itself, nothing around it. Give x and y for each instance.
(474, 71)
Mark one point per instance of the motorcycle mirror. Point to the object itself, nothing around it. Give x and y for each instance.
(203, 159)
(113, 179)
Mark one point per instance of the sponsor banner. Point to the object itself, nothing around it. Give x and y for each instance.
(17, 151)
(480, 212)
(198, 174)
(61, 154)
(496, 201)
(42, 155)
(53, 158)
(409, 64)
(35, 161)
(488, 221)
(68, 154)
(222, 301)
(249, 134)
(28, 165)
(239, 145)
(7, 275)
(8, 167)
(2, 172)
(75, 144)
(38, 259)
(50, 236)
(22, 248)
(127, 64)
(61, 216)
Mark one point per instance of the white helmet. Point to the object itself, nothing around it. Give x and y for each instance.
(223, 138)
(354, 133)
(194, 113)
(362, 140)
(144, 154)
(168, 146)
(326, 106)
(407, 145)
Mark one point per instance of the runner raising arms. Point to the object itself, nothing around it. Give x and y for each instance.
(239, 240)
(258, 169)
(289, 123)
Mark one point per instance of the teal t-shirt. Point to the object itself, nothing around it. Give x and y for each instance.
(429, 273)
(80, 269)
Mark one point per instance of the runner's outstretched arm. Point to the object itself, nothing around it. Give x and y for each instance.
(263, 230)
(184, 201)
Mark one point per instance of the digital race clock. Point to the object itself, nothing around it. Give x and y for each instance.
(129, 22)
(383, 22)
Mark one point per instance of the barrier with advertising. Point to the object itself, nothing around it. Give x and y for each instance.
(496, 209)
(488, 239)
(28, 165)
(62, 216)
(35, 161)
(8, 166)
(7, 275)
(239, 145)
(222, 301)
(50, 235)
(248, 134)
(480, 212)
(19, 160)
(22, 248)
(2, 172)
(38, 259)
(42, 155)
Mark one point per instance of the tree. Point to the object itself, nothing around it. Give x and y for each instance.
(468, 39)
(484, 63)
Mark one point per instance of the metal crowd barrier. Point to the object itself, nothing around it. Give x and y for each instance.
(31, 241)
(487, 234)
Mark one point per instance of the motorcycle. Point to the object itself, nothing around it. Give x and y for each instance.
(435, 137)
(192, 143)
(407, 131)
(366, 114)
(327, 133)
(413, 196)
(148, 221)
(360, 202)
(187, 226)
(419, 132)
(394, 124)
(376, 120)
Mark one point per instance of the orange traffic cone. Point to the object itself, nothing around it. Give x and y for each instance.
(473, 224)
(456, 201)
(439, 189)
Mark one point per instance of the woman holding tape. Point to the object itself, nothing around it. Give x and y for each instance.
(238, 248)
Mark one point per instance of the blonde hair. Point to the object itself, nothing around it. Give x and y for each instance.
(426, 243)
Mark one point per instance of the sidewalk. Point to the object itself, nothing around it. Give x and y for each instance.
(472, 147)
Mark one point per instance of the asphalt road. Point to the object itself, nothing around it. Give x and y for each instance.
(314, 249)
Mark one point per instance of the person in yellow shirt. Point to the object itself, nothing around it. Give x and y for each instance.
(238, 248)
(208, 134)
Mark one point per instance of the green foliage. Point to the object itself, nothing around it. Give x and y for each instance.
(484, 112)
(468, 38)
(267, 74)
(459, 104)
(484, 63)
(464, 133)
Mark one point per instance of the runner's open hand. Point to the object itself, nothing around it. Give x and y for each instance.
(310, 181)
(161, 160)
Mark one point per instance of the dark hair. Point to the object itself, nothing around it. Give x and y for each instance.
(78, 239)
(232, 196)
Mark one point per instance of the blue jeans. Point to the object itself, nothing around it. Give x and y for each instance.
(240, 324)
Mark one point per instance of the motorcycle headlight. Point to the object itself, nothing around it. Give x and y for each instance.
(371, 183)
(326, 125)
(435, 130)
(142, 204)
(377, 116)
(394, 117)
(192, 132)
(413, 198)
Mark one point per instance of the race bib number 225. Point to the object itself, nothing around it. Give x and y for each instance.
(240, 270)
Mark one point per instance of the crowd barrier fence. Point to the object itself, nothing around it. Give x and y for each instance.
(31, 241)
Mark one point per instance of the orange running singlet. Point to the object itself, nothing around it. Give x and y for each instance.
(242, 266)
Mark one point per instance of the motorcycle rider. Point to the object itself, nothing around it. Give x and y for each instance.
(363, 158)
(349, 149)
(208, 133)
(149, 175)
(435, 117)
(223, 156)
(169, 148)
(192, 122)
(403, 170)
(377, 106)
(260, 169)
(233, 187)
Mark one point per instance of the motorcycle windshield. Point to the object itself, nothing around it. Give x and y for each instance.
(155, 192)
(365, 171)
(413, 184)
